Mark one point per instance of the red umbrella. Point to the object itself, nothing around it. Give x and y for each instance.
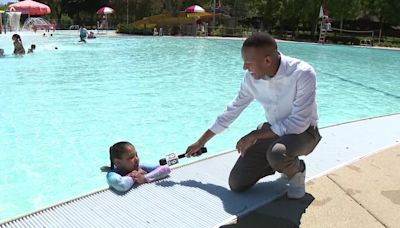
(195, 9)
(31, 7)
(105, 10)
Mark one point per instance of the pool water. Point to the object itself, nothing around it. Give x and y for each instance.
(61, 109)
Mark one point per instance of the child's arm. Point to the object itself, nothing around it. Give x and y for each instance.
(158, 173)
(118, 182)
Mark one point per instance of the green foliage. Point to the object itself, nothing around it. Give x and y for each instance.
(219, 31)
(130, 29)
(280, 16)
(345, 40)
(65, 21)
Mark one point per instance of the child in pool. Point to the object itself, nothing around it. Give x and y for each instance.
(18, 48)
(33, 47)
(125, 170)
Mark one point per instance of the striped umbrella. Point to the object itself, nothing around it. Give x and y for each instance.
(105, 10)
(195, 9)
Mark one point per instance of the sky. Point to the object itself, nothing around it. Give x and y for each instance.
(4, 2)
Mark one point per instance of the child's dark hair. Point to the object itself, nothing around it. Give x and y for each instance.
(33, 46)
(16, 36)
(116, 151)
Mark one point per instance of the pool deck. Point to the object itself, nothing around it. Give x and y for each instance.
(365, 193)
(353, 180)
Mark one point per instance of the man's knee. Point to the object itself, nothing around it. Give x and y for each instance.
(239, 183)
(276, 156)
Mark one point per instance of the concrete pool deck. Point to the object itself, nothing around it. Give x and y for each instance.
(365, 193)
(197, 194)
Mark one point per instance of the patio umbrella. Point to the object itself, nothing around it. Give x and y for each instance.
(105, 10)
(195, 9)
(31, 7)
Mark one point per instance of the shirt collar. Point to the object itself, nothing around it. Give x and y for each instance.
(282, 66)
(281, 69)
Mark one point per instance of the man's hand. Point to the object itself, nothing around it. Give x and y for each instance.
(194, 150)
(245, 143)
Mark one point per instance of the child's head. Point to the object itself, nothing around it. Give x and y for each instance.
(33, 47)
(16, 37)
(123, 156)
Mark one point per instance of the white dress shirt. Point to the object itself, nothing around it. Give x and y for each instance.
(288, 98)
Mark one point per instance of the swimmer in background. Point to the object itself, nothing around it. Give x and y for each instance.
(82, 34)
(30, 50)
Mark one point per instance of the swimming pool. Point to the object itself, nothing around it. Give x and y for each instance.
(62, 109)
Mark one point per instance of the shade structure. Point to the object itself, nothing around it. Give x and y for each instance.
(195, 9)
(31, 7)
(105, 10)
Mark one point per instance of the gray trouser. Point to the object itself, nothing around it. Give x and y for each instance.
(270, 155)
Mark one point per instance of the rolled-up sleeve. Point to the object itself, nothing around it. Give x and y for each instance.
(234, 108)
(304, 103)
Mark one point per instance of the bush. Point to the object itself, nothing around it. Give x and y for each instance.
(219, 31)
(344, 40)
(65, 21)
(130, 29)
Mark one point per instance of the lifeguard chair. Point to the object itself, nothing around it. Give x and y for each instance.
(325, 27)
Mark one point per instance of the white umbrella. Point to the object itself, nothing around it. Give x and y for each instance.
(195, 9)
(105, 10)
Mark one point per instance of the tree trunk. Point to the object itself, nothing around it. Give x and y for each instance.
(380, 29)
(235, 13)
(341, 24)
(173, 6)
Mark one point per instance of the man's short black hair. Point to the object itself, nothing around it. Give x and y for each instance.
(260, 39)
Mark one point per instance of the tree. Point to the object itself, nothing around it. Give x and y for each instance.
(173, 6)
(344, 9)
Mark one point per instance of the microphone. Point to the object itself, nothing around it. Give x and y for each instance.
(173, 158)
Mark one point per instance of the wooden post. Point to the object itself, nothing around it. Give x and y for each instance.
(380, 35)
(214, 16)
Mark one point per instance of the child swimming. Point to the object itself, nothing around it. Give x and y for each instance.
(33, 47)
(125, 169)
(18, 48)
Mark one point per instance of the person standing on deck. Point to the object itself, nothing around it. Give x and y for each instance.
(286, 88)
